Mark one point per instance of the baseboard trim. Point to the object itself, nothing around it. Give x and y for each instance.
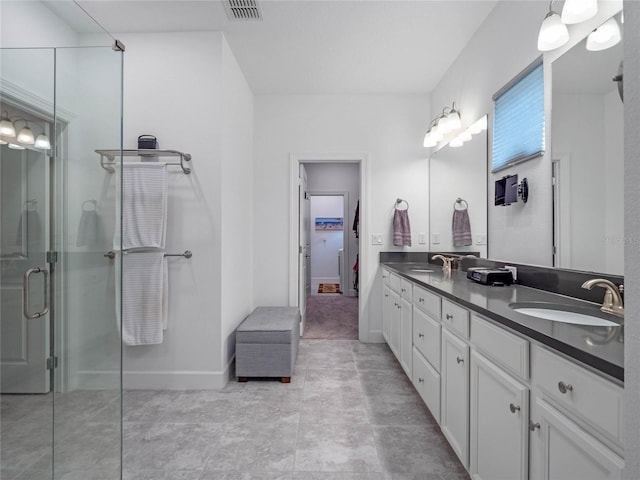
(162, 380)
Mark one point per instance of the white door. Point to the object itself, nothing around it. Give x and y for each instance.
(304, 249)
(24, 286)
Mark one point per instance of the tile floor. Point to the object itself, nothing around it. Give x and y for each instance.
(350, 413)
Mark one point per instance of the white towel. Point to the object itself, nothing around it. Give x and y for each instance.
(144, 297)
(143, 196)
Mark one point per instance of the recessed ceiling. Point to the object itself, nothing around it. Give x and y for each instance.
(318, 47)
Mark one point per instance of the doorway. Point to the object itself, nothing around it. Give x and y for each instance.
(327, 200)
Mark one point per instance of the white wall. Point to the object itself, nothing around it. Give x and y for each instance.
(325, 243)
(502, 47)
(331, 177)
(632, 239)
(387, 127)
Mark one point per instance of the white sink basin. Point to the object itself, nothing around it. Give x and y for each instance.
(561, 314)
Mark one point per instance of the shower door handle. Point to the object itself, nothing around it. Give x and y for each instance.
(26, 294)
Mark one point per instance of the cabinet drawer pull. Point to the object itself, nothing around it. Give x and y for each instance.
(449, 317)
(459, 359)
(565, 387)
(514, 408)
(421, 380)
(403, 290)
(533, 426)
(420, 335)
(421, 300)
(386, 295)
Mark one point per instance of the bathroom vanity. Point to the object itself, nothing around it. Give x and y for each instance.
(517, 396)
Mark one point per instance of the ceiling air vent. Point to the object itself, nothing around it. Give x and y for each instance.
(242, 10)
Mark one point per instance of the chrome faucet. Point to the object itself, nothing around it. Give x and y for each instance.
(612, 302)
(446, 262)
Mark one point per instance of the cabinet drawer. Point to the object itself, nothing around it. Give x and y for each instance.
(455, 318)
(507, 350)
(427, 302)
(385, 276)
(426, 337)
(595, 401)
(427, 383)
(406, 289)
(394, 282)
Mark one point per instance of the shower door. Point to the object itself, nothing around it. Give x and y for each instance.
(60, 349)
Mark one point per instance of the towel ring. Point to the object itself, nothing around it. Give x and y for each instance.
(460, 201)
(399, 202)
(89, 203)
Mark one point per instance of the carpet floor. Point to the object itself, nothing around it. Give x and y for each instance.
(331, 317)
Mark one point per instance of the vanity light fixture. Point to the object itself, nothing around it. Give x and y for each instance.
(553, 33)
(25, 135)
(446, 122)
(576, 11)
(605, 36)
(6, 126)
(43, 142)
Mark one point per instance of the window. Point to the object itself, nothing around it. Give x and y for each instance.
(518, 121)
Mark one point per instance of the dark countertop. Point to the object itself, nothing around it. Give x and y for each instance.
(601, 348)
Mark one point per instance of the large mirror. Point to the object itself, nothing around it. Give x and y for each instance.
(587, 127)
(458, 189)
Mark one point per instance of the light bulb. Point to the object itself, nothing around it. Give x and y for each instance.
(43, 142)
(26, 136)
(605, 36)
(443, 125)
(553, 33)
(576, 11)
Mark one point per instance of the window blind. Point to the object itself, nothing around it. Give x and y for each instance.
(518, 121)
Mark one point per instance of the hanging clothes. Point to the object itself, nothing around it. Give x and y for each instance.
(356, 221)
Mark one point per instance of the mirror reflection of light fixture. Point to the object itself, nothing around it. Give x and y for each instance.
(15, 146)
(605, 36)
(43, 142)
(553, 33)
(576, 11)
(478, 126)
(25, 135)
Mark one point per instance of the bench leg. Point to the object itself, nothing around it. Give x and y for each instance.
(242, 379)
(285, 379)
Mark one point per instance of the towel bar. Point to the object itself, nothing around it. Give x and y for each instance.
(113, 153)
(186, 254)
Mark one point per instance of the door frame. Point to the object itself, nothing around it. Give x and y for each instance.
(362, 159)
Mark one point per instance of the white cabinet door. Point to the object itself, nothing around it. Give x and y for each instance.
(454, 405)
(427, 336)
(560, 450)
(499, 447)
(406, 335)
(394, 323)
(427, 383)
(386, 313)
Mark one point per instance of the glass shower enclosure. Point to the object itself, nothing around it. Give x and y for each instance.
(60, 348)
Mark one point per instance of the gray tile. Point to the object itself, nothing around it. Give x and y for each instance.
(169, 446)
(147, 405)
(238, 475)
(416, 450)
(26, 408)
(339, 407)
(201, 407)
(376, 382)
(393, 409)
(32, 475)
(162, 475)
(331, 380)
(337, 476)
(85, 404)
(257, 447)
(27, 445)
(89, 475)
(336, 448)
(427, 476)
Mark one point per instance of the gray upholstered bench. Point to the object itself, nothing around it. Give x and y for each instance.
(267, 343)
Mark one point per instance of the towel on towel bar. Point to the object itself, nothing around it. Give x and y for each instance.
(461, 228)
(144, 206)
(143, 297)
(401, 228)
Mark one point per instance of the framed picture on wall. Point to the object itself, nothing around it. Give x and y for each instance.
(329, 223)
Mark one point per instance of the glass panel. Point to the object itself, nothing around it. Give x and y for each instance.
(26, 100)
(88, 382)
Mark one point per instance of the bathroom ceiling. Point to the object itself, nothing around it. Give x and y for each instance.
(317, 47)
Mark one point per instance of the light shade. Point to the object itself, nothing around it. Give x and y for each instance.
(6, 128)
(553, 33)
(576, 11)
(465, 136)
(429, 140)
(26, 136)
(605, 36)
(478, 126)
(443, 125)
(43, 142)
(456, 142)
(14, 146)
(453, 120)
(2, 142)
